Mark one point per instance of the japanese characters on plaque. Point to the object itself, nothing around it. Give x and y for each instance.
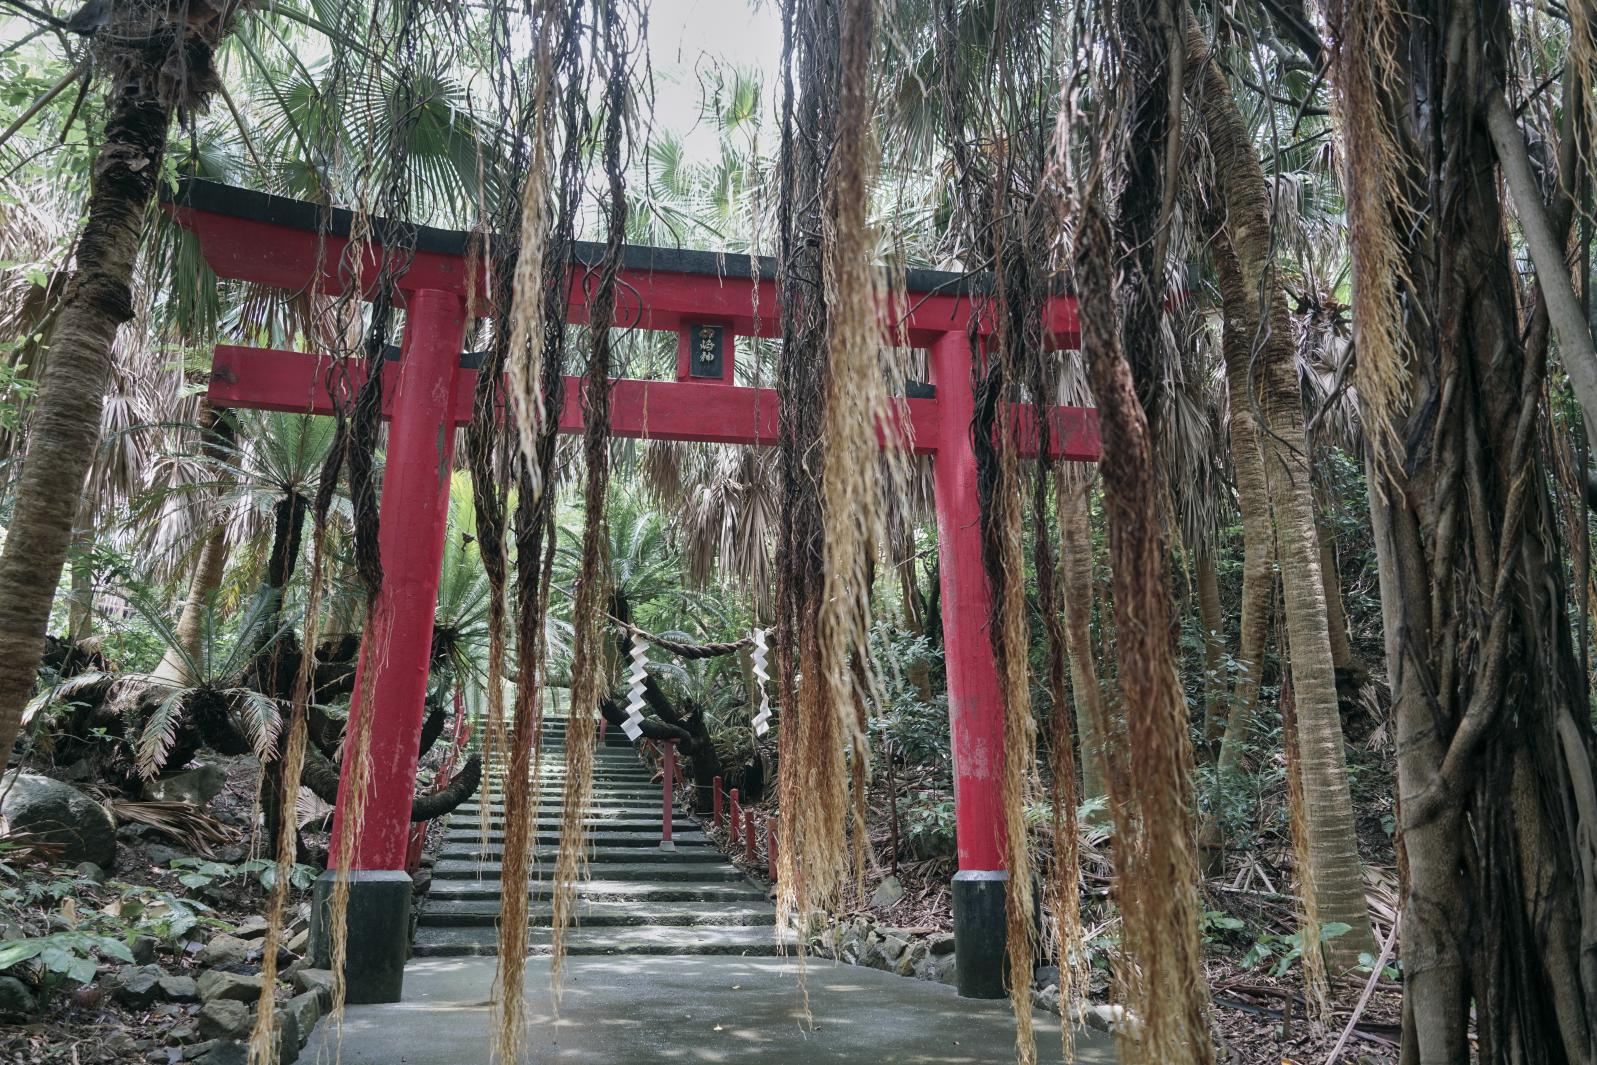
(707, 346)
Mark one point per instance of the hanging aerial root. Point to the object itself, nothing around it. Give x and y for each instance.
(589, 664)
(1160, 967)
(1064, 888)
(262, 1048)
(855, 404)
(1366, 49)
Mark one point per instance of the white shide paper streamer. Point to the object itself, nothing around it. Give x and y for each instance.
(762, 720)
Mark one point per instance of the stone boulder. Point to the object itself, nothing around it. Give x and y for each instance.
(197, 786)
(215, 984)
(15, 998)
(225, 1019)
(136, 986)
(58, 814)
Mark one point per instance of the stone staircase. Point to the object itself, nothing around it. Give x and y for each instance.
(640, 899)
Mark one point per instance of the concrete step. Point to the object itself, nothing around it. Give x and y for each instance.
(592, 913)
(598, 822)
(687, 852)
(606, 891)
(646, 871)
(467, 942)
(618, 833)
(470, 812)
(473, 842)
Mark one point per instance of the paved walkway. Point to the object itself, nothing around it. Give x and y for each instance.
(632, 1010)
(673, 961)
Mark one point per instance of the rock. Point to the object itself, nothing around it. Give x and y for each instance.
(132, 833)
(183, 1033)
(887, 894)
(307, 1010)
(893, 948)
(224, 1019)
(943, 970)
(179, 988)
(225, 1053)
(215, 984)
(299, 941)
(198, 786)
(252, 928)
(940, 943)
(1106, 1017)
(90, 872)
(143, 949)
(1046, 998)
(15, 998)
(912, 960)
(288, 1037)
(122, 1045)
(136, 986)
(318, 980)
(60, 815)
(226, 950)
(162, 855)
(1045, 975)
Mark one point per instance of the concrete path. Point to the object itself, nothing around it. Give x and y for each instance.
(629, 1010)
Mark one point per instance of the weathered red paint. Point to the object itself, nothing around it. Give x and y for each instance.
(391, 679)
(705, 411)
(975, 702)
(300, 259)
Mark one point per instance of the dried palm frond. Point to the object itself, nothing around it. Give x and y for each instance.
(183, 822)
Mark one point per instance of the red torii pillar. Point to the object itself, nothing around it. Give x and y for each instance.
(278, 242)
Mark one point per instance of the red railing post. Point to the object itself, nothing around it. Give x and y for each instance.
(770, 843)
(717, 802)
(748, 834)
(735, 827)
(669, 764)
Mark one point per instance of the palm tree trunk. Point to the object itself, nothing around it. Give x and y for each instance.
(204, 580)
(1075, 554)
(1336, 614)
(217, 430)
(1213, 622)
(1258, 535)
(66, 418)
(1335, 877)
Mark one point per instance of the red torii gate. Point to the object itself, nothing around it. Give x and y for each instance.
(707, 299)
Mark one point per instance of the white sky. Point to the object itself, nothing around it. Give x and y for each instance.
(688, 38)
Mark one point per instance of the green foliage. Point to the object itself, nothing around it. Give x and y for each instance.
(73, 954)
(83, 935)
(201, 873)
(1279, 952)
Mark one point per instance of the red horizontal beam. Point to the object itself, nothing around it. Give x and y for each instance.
(269, 379)
(295, 259)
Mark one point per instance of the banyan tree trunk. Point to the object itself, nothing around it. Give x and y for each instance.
(1335, 875)
(1497, 784)
(148, 41)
